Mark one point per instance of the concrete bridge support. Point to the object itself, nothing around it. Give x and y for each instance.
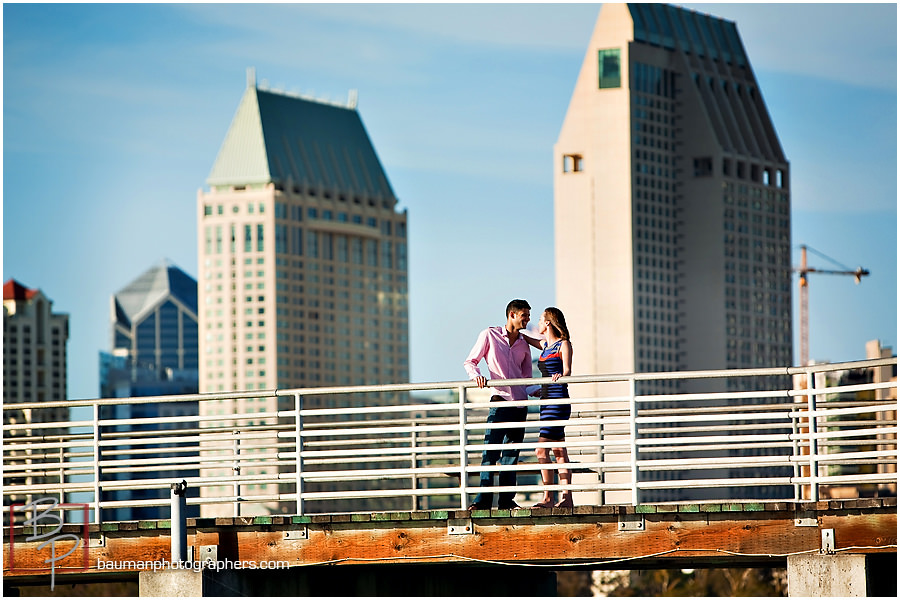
(352, 580)
(842, 575)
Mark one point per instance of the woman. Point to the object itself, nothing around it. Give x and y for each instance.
(555, 362)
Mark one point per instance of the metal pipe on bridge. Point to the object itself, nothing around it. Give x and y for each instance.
(178, 519)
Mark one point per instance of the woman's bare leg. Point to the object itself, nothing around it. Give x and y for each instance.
(565, 478)
(546, 477)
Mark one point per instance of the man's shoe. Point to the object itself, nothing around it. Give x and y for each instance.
(510, 506)
(477, 506)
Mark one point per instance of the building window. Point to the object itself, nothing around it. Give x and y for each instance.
(703, 167)
(281, 234)
(572, 163)
(610, 74)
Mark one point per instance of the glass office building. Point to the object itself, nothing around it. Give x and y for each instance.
(153, 323)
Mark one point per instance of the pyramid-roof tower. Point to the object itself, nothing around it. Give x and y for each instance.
(153, 287)
(286, 139)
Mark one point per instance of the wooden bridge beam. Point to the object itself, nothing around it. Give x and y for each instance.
(602, 537)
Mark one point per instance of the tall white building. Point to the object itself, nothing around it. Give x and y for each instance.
(302, 260)
(672, 203)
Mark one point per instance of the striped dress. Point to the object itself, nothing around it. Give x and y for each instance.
(551, 363)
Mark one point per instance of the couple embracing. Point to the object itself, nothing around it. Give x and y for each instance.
(507, 351)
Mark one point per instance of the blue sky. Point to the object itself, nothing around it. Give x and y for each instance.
(113, 115)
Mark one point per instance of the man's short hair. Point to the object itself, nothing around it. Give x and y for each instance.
(516, 306)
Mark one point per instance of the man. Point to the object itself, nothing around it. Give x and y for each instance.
(508, 356)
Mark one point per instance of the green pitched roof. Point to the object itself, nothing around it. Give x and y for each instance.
(279, 138)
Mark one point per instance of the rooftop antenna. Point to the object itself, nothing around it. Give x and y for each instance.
(251, 77)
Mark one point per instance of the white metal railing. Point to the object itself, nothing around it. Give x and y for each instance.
(385, 448)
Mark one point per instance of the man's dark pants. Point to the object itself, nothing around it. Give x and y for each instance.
(515, 435)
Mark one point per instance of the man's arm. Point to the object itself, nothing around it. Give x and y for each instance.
(478, 352)
(527, 371)
(536, 342)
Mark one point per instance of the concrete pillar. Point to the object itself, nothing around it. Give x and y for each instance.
(179, 583)
(838, 575)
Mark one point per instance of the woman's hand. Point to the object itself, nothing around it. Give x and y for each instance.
(556, 376)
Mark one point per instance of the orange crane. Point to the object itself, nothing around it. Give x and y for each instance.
(803, 269)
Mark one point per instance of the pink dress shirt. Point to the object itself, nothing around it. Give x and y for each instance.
(503, 361)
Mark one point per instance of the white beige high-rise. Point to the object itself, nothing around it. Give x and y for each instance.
(302, 258)
(672, 204)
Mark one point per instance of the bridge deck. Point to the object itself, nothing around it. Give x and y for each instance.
(603, 537)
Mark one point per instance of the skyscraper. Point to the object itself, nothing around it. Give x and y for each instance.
(34, 369)
(302, 258)
(672, 203)
(153, 323)
(302, 254)
(672, 200)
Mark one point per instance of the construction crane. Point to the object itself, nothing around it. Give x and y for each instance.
(803, 269)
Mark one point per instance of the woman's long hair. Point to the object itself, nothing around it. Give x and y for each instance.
(557, 321)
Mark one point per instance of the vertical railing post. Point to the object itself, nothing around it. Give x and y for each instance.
(178, 520)
(96, 424)
(813, 442)
(795, 428)
(413, 460)
(601, 473)
(463, 456)
(236, 471)
(62, 472)
(298, 441)
(632, 434)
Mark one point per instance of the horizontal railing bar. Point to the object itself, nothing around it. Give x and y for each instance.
(869, 442)
(723, 427)
(406, 421)
(846, 389)
(376, 409)
(842, 434)
(711, 396)
(715, 447)
(711, 439)
(409, 387)
(845, 411)
(779, 408)
(699, 418)
(857, 423)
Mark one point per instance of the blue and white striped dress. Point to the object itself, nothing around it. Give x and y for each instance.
(551, 363)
